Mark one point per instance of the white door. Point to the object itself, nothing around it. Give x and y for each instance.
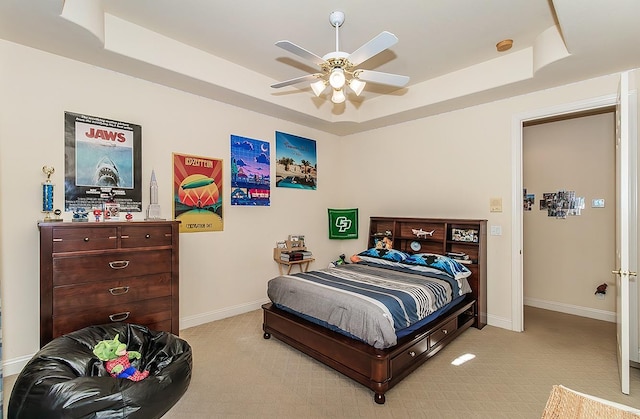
(623, 205)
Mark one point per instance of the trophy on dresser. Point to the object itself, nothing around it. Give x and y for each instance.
(153, 211)
(47, 193)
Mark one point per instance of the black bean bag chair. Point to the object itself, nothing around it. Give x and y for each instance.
(66, 380)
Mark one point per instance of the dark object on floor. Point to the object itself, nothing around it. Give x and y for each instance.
(602, 289)
(66, 380)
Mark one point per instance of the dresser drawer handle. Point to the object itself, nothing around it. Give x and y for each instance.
(119, 264)
(86, 239)
(118, 317)
(147, 236)
(124, 236)
(412, 354)
(445, 331)
(119, 290)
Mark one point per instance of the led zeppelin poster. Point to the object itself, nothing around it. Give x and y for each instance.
(296, 162)
(103, 159)
(250, 172)
(197, 193)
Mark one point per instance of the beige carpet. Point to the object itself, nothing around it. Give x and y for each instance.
(238, 374)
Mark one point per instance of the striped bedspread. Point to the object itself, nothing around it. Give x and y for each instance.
(368, 302)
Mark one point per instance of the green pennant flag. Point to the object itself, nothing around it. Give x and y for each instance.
(343, 223)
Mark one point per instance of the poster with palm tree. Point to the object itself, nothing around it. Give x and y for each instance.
(296, 162)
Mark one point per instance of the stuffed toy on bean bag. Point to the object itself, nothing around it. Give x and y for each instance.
(116, 359)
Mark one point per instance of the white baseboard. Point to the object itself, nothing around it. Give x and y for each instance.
(501, 322)
(15, 365)
(592, 313)
(191, 321)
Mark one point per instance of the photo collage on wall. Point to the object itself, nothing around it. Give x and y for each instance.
(558, 204)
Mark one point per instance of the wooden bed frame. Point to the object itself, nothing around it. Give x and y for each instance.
(381, 369)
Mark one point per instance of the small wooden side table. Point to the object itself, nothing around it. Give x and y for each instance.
(302, 264)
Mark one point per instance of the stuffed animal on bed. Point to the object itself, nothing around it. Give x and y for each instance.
(382, 247)
(116, 359)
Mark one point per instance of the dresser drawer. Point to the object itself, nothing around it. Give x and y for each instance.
(83, 239)
(109, 266)
(144, 312)
(443, 331)
(69, 299)
(142, 236)
(410, 355)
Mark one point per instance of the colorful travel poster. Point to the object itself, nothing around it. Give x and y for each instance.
(197, 193)
(250, 172)
(296, 162)
(103, 160)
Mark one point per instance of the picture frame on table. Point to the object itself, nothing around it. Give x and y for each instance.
(296, 240)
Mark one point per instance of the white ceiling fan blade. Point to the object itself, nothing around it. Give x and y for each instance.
(382, 78)
(300, 52)
(378, 44)
(307, 78)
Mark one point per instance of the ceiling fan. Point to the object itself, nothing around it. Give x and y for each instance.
(338, 68)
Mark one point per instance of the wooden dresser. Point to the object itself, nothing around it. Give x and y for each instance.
(101, 272)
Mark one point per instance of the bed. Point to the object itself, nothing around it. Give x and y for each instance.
(418, 307)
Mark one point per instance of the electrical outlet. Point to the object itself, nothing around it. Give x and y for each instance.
(600, 296)
(496, 230)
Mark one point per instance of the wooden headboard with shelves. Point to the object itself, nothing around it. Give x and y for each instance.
(439, 236)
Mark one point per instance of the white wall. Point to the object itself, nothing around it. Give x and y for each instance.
(448, 165)
(451, 165)
(221, 273)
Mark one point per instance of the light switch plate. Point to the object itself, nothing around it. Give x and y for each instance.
(496, 230)
(597, 203)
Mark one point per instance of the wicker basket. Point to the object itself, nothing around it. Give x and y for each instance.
(564, 403)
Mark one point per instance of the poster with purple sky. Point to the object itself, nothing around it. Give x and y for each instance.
(250, 171)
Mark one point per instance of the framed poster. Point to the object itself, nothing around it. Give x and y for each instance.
(296, 162)
(197, 193)
(250, 172)
(103, 159)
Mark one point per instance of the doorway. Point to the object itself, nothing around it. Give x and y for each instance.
(569, 216)
(517, 298)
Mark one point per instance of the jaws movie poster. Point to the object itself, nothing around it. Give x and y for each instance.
(103, 159)
(197, 193)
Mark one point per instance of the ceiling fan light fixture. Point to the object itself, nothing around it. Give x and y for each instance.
(356, 85)
(339, 69)
(338, 96)
(318, 87)
(337, 78)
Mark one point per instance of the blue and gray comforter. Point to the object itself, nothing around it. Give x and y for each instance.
(368, 301)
